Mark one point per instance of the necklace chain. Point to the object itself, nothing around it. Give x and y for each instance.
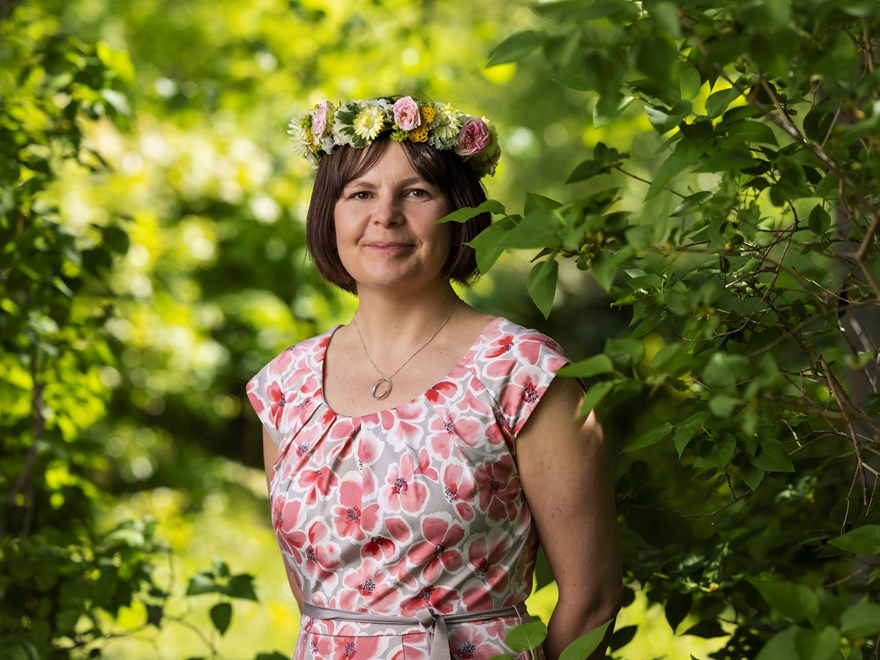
(383, 385)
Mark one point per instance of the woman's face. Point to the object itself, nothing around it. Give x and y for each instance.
(386, 226)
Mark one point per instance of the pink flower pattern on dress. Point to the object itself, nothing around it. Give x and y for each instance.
(439, 549)
(412, 509)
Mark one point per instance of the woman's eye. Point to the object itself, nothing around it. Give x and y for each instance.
(417, 192)
(359, 194)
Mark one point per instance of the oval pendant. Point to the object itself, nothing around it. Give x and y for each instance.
(381, 388)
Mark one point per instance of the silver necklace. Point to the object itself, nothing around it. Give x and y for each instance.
(384, 384)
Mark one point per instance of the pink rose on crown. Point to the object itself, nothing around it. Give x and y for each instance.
(473, 138)
(319, 119)
(406, 113)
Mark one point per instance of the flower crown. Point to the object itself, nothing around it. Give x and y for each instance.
(357, 123)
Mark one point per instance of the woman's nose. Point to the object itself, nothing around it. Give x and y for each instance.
(388, 212)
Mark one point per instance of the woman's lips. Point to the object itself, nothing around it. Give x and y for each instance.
(389, 246)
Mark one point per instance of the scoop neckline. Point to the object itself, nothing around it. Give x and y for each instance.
(393, 409)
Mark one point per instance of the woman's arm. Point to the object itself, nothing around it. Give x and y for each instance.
(566, 477)
(270, 455)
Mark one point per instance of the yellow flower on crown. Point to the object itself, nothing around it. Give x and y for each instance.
(428, 114)
(419, 134)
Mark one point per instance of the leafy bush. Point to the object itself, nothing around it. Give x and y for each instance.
(749, 265)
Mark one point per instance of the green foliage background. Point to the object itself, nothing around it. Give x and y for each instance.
(703, 205)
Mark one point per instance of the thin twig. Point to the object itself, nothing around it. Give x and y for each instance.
(840, 398)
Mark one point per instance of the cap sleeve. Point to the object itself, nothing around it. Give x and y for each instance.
(518, 366)
(288, 389)
(266, 395)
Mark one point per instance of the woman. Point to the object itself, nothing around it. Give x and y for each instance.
(416, 455)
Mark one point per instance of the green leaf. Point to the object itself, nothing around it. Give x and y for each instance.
(684, 156)
(665, 15)
(221, 615)
(667, 356)
(860, 620)
(240, 586)
(542, 284)
(466, 213)
(535, 202)
(664, 121)
(516, 47)
(526, 636)
(677, 608)
(154, 614)
(716, 453)
(820, 220)
(794, 601)
(749, 131)
(781, 645)
(585, 10)
(622, 636)
(592, 366)
(863, 540)
(588, 169)
(115, 238)
(684, 432)
(603, 267)
(540, 228)
(767, 14)
(812, 645)
(718, 102)
(723, 370)
(584, 645)
(706, 629)
(689, 80)
(201, 583)
(651, 437)
(594, 395)
(690, 202)
(489, 245)
(771, 456)
(625, 350)
(751, 475)
(657, 58)
(723, 405)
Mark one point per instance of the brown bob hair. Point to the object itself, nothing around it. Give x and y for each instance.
(444, 169)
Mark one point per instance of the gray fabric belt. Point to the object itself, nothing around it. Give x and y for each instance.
(436, 625)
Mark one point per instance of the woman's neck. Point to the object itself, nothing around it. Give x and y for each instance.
(391, 322)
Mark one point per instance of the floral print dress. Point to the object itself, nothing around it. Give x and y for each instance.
(413, 510)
